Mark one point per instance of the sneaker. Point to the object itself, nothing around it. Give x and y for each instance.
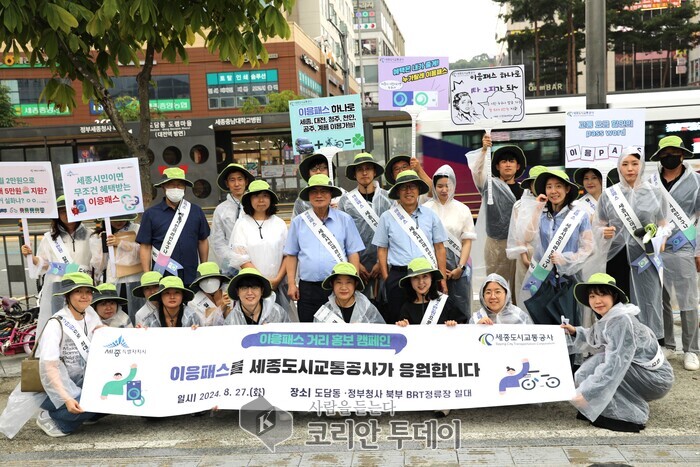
(669, 354)
(46, 423)
(691, 362)
(441, 413)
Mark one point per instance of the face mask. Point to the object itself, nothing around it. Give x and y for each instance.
(175, 195)
(670, 162)
(210, 285)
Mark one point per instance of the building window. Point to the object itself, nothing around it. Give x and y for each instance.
(170, 93)
(371, 74)
(24, 96)
(231, 89)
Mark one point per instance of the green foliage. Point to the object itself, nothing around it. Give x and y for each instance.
(252, 106)
(478, 61)
(8, 118)
(129, 110)
(279, 102)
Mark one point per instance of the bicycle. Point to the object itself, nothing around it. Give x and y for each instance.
(17, 331)
(531, 380)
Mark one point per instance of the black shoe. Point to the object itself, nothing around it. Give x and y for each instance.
(580, 416)
(617, 425)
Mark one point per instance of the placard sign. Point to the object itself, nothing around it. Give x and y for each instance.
(27, 191)
(496, 93)
(322, 367)
(327, 122)
(421, 81)
(596, 138)
(102, 189)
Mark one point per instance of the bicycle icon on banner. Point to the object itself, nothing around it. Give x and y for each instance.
(534, 379)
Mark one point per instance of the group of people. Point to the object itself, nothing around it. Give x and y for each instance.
(400, 256)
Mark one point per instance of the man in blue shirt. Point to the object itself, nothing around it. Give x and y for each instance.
(318, 239)
(173, 230)
(396, 247)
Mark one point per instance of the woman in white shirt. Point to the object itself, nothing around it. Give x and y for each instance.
(259, 236)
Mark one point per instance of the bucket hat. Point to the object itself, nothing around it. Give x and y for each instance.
(417, 267)
(107, 292)
(221, 179)
(408, 176)
(173, 173)
(670, 142)
(363, 158)
(541, 183)
(343, 269)
(322, 155)
(208, 270)
(75, 280)
(507, 152)
(148, 279)
(599, 278)
(535, 170)
(319, 180)
(249, 273)
(172, 282)
(389, 170)
(258, 186)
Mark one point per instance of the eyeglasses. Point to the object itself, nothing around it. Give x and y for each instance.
(254, 288)
(319, 168)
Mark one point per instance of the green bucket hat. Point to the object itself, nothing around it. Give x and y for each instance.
(321, 180)
(221, 180)
(148, 279)
(249, 273)
(669, 142)
(599, 278)
(172, 282)
(343, 269)
(506, 152)
(75, 280)
(363, 158)
(541, 183)
(61, 202)
(389, 170)
(208, 270)
(581, 172)
(258, 186)
(417, 267)
(173, 173)
(310, 161)
(535, 170)
(408, 176)
(107, 292)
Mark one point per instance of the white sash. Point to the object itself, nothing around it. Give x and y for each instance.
(77, 336)
(201, 302)
(324, 235)
(415, 233)
(59, 249)
(174, 231)
(655, 363)
(624, 211)
(679, 216)
(434, 311)
(561, 238)
(589, 201)
(364, 209)
(326, 315)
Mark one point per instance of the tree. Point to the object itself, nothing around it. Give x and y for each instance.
(478, 61)
(8, 117)
(87, 40)
(279, 102)
(129, 109)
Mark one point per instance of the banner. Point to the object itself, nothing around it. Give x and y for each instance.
(159, 372)
(327, 121)
(413, 81)
(102, 189)
(27, 191)
(596, 138)
(487, 93)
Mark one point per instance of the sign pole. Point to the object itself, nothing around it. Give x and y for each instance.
(25, 231)
(110, 248)
(414, 111)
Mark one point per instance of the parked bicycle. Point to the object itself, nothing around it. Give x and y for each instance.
(17, 328)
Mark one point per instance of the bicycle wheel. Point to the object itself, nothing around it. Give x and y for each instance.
(29, 339)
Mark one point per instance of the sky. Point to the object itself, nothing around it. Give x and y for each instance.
(454, 28)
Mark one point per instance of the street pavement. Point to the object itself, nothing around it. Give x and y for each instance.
(546, 434)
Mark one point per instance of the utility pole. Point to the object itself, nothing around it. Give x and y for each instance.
(596, 55)
(358, 20)
(343, 33)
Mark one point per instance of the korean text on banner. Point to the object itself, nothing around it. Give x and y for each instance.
(496, 93)
(360, 367)
(27, 191)
(596, 138)
(102, 189)
(327, 121)
(421, 81)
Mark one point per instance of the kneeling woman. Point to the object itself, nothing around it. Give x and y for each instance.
(496, 304)
(425, 304)
(613, 386)
(63, 350)
(108, 306)
(346, 303)
(255, 303)
(171, 310)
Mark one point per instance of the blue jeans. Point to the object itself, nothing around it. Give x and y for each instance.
(65, 421)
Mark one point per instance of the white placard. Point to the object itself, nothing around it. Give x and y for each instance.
(102, 189)
(596, 138)
(302, 367)
(487, 93)
(27, 191)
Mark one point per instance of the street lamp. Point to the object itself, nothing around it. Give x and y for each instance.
(343, 32)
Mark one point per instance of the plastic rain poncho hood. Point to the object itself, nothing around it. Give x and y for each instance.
(271, 313)
(509, 314)
(364, 311)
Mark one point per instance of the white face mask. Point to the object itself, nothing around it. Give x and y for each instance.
(210, 285)
(175, 195)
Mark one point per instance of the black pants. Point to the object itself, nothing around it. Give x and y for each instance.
(311, 298)
(396, 296)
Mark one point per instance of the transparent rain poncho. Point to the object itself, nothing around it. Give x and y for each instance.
(680, 277)
(78, 247)
(510, 314)
(119, 320)
(614, 381)
(457, 220)
(225, 216)
(517, 243)
(190, 317)
(209, 313)
(364, 311)
(271, 313)
(648, 204)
